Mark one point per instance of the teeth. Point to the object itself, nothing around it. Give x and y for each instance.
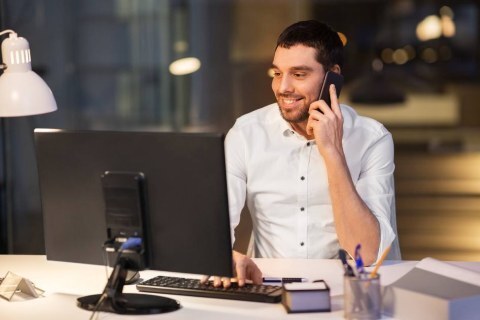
(289, 101)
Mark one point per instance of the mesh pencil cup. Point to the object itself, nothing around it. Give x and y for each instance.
(362, 297)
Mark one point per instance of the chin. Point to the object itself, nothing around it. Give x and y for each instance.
(293, 116)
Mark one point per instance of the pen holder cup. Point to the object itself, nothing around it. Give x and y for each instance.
(362, 297)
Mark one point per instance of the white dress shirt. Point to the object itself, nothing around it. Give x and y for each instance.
(283, 180)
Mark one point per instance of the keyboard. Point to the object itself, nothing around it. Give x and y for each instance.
(193, 287)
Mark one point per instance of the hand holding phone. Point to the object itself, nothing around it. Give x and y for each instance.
(330, 78)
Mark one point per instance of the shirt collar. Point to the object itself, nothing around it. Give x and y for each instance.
(285, 128)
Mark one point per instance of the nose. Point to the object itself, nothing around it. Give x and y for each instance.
(285, 85)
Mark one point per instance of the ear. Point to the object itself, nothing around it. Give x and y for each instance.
(336, 68)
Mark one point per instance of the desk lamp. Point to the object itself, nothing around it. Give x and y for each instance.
(22, 93)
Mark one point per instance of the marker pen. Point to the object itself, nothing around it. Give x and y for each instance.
(283, 280)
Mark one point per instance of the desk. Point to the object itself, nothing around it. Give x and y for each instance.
(64, 282)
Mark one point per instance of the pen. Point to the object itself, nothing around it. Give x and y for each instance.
(284, 280)
(358, 260)
(348, 268)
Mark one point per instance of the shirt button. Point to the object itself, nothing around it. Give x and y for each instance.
(308, 144)
(301, 243)
(302, 209)
(302, 178)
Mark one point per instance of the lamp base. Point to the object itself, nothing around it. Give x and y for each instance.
(129, 303)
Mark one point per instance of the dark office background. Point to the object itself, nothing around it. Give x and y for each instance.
(107, 63)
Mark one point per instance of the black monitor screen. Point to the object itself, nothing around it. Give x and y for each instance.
(186, 218)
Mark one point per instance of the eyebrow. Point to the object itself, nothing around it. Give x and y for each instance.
(295, 68)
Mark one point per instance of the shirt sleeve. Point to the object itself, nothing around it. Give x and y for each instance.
(375, 186)
(236, 176)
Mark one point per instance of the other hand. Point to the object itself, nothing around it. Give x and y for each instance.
(244, 270)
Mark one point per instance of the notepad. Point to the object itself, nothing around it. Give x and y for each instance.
(306, 297)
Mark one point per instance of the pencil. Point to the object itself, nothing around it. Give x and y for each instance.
(379, 262)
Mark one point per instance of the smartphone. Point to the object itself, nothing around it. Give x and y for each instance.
(330, 78)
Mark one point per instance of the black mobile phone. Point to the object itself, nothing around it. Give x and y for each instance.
(330, 78)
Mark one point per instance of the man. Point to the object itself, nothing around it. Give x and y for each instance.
(315, 178)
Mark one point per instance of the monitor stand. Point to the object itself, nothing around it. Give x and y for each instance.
(115, 301)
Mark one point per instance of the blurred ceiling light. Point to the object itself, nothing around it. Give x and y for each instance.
(433, 27)
(184, 66)
(429, 28)
(448, 26)
(180, 46)
(429, 55)
(400, 56)
(446, 11)
(270, 72)
(377, 65)
(387, 55)
(343, 38)
(410, 50)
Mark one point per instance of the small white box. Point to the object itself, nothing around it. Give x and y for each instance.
(306, 297)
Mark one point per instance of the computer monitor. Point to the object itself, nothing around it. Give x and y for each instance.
(187, 226)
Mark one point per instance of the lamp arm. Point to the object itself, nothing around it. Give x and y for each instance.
(6, 31)
(3, 65)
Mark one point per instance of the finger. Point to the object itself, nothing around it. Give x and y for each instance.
(314, 105)
(334, 100)
(310, 125)
(217, 281)
(240, 271)
(204, 279)
(226, 282)
(321, 107)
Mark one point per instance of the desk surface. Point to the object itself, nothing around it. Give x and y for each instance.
(64, 282)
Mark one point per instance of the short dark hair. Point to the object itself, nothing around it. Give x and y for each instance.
(318, 35)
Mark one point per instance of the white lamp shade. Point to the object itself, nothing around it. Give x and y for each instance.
(24, 94)
(22, 91)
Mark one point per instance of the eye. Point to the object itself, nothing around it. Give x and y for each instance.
(300, 75)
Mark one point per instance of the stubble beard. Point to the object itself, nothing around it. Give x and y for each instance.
(297, 116)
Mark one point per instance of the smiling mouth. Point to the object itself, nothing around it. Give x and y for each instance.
(290, 101)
